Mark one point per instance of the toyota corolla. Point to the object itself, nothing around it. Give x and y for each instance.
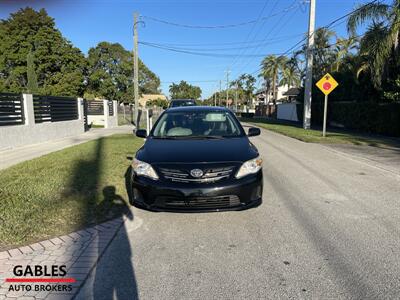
(197, 158)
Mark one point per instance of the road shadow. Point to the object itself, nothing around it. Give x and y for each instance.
(344, 271)
(113, 276)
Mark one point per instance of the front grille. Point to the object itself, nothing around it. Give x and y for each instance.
(210, 175)
(199, 202)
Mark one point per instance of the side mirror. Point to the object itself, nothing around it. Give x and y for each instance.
(141, 133)
(253, 131)
(164, 107)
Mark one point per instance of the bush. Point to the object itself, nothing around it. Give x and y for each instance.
(366, 117)
(247, 115)
(157, 102)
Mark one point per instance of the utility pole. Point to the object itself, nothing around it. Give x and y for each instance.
(136, 67)
(219, 95)
(309, 69)
(215, 99)
(236, 97)
(227, 87)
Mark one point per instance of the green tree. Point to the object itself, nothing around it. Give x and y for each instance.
(380, 44)
(184, 90)
(244, 85)
(110, 73)
(323, 54)
(271, 66)
(59, 66)
(157, 102)
(290, 75)
(344, 48)
(32, 86)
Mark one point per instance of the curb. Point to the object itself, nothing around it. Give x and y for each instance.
(64, 239)
(79, 251)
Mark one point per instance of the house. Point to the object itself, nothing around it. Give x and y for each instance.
(292, 94)
(284, 94)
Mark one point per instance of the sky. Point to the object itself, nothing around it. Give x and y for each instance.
(275, 24)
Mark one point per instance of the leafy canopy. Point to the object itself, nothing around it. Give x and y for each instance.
(58, 65)
(36, 58)
(184, 90)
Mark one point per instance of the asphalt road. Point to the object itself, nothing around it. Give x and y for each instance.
(329, 228)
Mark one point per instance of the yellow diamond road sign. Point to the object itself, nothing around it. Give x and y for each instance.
(327, 84)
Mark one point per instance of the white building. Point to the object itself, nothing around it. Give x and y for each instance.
(282, 95)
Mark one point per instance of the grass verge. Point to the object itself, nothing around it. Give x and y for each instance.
(64, 191)
(315, 136)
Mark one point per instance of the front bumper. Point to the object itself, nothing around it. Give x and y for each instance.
(230, 194)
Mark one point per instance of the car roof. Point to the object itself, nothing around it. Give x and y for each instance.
(198, 108)
(182, 100)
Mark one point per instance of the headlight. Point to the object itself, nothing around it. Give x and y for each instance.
(249, 167)
(144, 169)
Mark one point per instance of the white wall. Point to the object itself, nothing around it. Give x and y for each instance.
(287, 111)
(104, 119)
(31, 133)
(111, 121)
(96, 120)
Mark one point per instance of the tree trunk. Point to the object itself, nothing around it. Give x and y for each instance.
(274, 89)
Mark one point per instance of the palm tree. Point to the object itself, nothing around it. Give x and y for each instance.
(270, 69)
(323, 54)
(381, 41)
(244, 86)
(344, 48)
(290, 74)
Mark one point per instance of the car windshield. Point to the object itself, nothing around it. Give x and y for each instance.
(198, 124)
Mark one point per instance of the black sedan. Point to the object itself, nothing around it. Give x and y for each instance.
(197, 158)
(182, 102)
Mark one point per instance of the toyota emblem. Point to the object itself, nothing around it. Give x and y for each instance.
(197, 173)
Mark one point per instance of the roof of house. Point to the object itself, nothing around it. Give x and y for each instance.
(153, 96)
(292, 92)
(260, 91)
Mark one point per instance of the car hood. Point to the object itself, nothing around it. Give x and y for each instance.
(185, 151)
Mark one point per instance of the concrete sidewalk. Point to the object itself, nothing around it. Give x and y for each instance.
(13, 156)
(79, 252)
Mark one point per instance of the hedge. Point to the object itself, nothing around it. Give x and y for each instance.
(365, 117)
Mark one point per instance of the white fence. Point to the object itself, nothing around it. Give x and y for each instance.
(287, 111)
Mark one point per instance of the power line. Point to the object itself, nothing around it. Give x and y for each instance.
(329, 25)
(229, 43)
(220, 55)
(209, 54)
(215, 26)
(252, 29)
(268, 34)
(212, 49)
